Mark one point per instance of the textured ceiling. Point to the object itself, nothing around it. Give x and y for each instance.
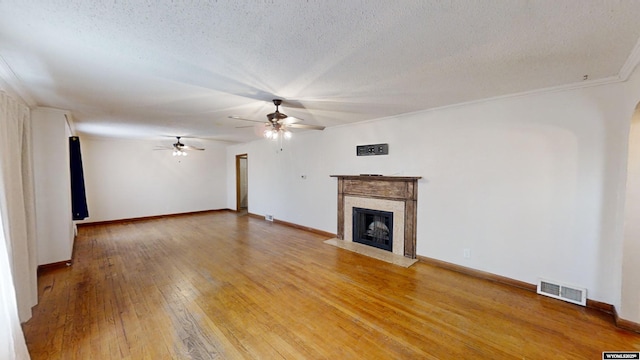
(148, 68)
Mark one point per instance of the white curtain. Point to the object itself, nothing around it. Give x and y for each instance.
(12, 344)
(18, 260)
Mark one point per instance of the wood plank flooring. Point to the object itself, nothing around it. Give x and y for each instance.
(222, 286)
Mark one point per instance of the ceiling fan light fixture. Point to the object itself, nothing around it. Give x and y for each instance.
(274, 134)
(278, 124)
(179, 149)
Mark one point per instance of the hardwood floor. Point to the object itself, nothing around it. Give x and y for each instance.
(222, 286)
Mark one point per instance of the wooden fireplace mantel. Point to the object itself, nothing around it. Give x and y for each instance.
(378, 177)
(398, 188)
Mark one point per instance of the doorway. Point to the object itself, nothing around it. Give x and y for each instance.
(242, 183)
(630, 293)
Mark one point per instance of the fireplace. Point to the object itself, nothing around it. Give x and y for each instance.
(396, 195)
(373, 228)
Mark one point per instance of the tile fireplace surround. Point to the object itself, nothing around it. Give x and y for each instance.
(397, 194)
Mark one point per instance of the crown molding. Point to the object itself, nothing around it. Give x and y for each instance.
(566, 87)
(12, 84)
(632, 61)
(70, 123)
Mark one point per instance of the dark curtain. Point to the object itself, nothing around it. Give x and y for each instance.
(78, 194)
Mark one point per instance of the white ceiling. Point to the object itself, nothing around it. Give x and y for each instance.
(144, 69)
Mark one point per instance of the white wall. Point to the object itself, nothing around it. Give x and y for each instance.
(52, 182)
(530, 183)
(128, 179)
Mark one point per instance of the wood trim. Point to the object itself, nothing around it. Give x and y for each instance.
(376, 177)
(410, 219)
(73, 242)
(340, 232)
(120, 221)
(478, 273)
(604, 307)
(305, 228)
(592, 304)
(625, 324)
(52, 266)
(295, 226)
(238, 184)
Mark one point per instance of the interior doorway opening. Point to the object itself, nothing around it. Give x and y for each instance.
(242, 183)
(630, 287)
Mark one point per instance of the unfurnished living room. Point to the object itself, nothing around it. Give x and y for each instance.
(319, 179)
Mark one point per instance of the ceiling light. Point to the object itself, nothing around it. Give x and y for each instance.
(277, 133)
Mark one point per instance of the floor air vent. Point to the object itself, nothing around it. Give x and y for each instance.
(564, 292)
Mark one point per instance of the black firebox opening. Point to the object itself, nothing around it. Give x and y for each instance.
(373, 228)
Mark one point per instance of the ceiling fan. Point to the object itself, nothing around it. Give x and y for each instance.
(179, 149)
(278, 123)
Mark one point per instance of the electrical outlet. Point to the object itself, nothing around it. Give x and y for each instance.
(268, 217)
(466, 253)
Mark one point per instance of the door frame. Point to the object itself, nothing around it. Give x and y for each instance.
(238, 183)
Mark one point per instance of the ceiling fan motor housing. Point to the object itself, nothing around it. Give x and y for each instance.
(275, 122)
(276, 116)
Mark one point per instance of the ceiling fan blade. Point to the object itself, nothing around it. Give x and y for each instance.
(293, 104)
(291, 120)
(243, 119)
(187, 147)
(176, 137)
(305, 126)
